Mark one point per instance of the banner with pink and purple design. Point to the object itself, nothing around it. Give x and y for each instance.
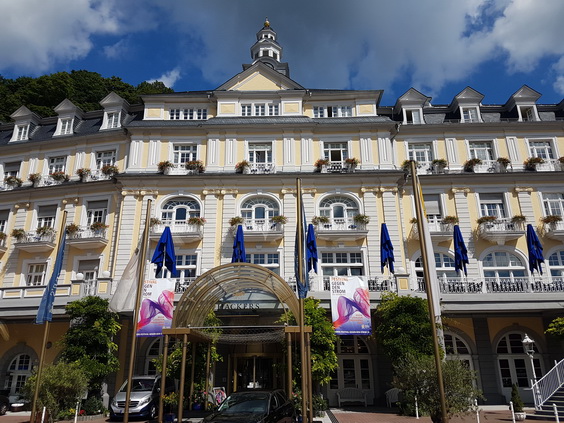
(157, 305)
(350, 305)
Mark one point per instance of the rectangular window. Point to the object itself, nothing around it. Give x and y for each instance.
(482, 150)
(492, 205)
(319, 112)
(36, 274)
(260, 153)
(342, 264)
(202, 114)
(553, 204)
(188, 114)
(413, 116)
(184, 153)
(113, 120)
(527, 113)
(11, 169)
(186, 265)
(66, 126)
(46, 216)
(433, 207)
(420, 152)
(269, 260)
(245, 110)
(22, 132)
(542, 149)
(57, 164)
(336, 152)
(4, 215)
(470, 114)
(96, 212)
(105, 158)
(260, 110)
(273, 109)
(174, 114)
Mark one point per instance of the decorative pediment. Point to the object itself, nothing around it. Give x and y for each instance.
(412, 98)
(468, 96)
(259, 77)
(526, 94)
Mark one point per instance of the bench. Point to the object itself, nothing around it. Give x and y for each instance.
(392, 397)
(351, 395)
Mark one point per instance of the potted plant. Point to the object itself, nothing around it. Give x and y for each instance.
(19, 234)
(279, 219)
(518, 218)
(470, 164)
(532, 162)
(439, 165)
(83, 173)
(59, 176)
(98, 226)
(72, 228)
(197, 221)
(449, 220)
(406, 166)
(197, 166)
(503, 161)
(109, 170)
(320, 220)
(517, 403)
(242, 167)
(154, 221)
(164, 166)
(34, 178)
(486, 219)
(237, 220)
(13, 181)
(3, 236)
(320, 165)
(551, 220)
(361, 219)
(561, 161)
(352, 163)
(45, 231)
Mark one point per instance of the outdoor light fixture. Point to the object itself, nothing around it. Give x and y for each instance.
(529, 347)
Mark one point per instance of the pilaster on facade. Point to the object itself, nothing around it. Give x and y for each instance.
(229, 211)
(289, 201)
(526, 202)
(306, 152)
(512, 149)
(130, 230)
(230, 153)
(466, 227)
(385, 153)
(366, 153)
(213, 153)
(370, 201)
(390, 207)
(450, 145)
(211, 232)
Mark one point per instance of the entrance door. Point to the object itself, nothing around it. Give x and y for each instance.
(256, 372)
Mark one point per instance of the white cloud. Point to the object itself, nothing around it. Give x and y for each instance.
(117, 50)
(169, 78)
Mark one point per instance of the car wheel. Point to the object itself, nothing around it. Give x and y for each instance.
(153, 412)
(3, 409)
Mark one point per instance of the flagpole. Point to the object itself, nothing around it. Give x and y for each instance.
(428, 286)
(140, 280)
(301, 319)
(45, 335)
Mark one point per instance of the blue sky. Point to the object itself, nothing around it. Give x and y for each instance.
(436, 46)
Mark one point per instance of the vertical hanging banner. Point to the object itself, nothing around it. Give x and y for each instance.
(157, 306)
(350, 305)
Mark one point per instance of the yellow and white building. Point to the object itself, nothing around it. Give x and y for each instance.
(281, 130)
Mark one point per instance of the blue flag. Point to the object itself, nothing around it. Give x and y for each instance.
(164, 253)
(386, 249)
(301, 279)
(460, 251)
(44, 314)
(535, 250)
(239, 254)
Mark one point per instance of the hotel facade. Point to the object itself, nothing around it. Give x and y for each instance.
(210, 159)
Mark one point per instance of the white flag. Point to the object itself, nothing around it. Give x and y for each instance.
(126, 292)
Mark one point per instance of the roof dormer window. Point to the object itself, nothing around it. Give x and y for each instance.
(112, 120)
(332, 111)
(22, 132)
(470, 114)
(527, 114)
(412, 116)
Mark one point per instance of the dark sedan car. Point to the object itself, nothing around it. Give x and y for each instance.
(254, 407)
(4, 404)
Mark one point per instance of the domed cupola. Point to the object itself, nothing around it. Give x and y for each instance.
(267, 50)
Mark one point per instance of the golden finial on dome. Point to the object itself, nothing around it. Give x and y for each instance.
(266, 23)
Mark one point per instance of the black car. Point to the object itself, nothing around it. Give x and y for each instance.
(254, 407)
(4, 404)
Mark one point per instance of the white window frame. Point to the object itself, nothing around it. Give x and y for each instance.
(8, 172)
(337, 265)
(260, 108)
(99, 214)
(548, 151)
(472, 149)
(21, 132)
(527, 113)
(552, 205)
(333, 110)
(504, 205)
(412, 152)
(181, 149)
(56, 164)
(47, 220)
(409, 116)
(65, 126)
(269, 259)
(470, 114)
(330, 147)
(101, 158)
(36, 275)
(112, 119)
(266, 147)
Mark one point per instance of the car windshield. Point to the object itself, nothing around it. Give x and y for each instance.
(249, 402)
(139, 385)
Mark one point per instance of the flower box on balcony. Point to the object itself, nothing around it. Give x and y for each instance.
(279, 219)
(320, 220)
(196, 166)
(34, 178)
(83, 173)
(72, 228)
(18, 234)
(361, 219)
(242, 167)
(532, 162)
(551, 219)
(469, 165)
(13, 181)
(59, 176)
(321, 165)
(237, 220)
(109, 170)
(98, 226)
(486, 219)
(45, 231)
(197, 221)
(449, 220)
(164, 166)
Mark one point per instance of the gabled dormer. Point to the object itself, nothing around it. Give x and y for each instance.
(69, 116)
(410, 105)
(115, 109)
(524, 103)
(467, 103)
(25, 122)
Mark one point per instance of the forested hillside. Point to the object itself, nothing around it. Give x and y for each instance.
(85, 89)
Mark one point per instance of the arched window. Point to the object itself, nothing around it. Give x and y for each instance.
(504, 272)
(340, 210)
(18, 372)
(456, 348)
(515, 365)
(178, 210)
(443, 263)
(259, 208)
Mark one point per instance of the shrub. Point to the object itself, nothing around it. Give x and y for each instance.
(503, 161)
(93, 406)
(98, 226)
(439, 162)
(319, 163)
(406, 165)
(34, 177)
(72, 228)
(83, 172)
(45, 230)
(516, 399)
(532, 162)
(196, 165)
(242, 165)
(19, 234)
(352, 161)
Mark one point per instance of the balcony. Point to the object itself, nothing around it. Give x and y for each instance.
(181, 231)
(550, 165)
(261, 168)
(501, 230)
(261, 230)
(491, 166)
(86, 239)
(338, 167)
(32, 242)
(499, 285)
(341, 229)
(554, 230)
(439, 231)
(319, 283)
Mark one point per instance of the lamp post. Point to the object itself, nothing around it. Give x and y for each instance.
(529, 347)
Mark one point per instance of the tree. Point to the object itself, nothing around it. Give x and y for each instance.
(62, 386)
(403, 327)
(323, 339)
(89, 340)
(416, 376)
(556, 327)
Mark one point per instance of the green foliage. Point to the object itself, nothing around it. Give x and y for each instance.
(417, 376)
(62, 385)
(516, 399)
(89, 340)
(85, 89)
(556, 327)
(93, 406)
(403, 327)
(323, 340)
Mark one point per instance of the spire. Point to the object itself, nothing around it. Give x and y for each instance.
(267, 50)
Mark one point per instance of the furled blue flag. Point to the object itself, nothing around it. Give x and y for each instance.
(164, 254)
(535, 250)
(239, 255)
(460, 251)
(301, 279)
(386, 249)
(44, 314)
(311, 249)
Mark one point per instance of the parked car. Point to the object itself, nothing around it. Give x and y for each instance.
(254, 407)
(4, 404)
(144, 399)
